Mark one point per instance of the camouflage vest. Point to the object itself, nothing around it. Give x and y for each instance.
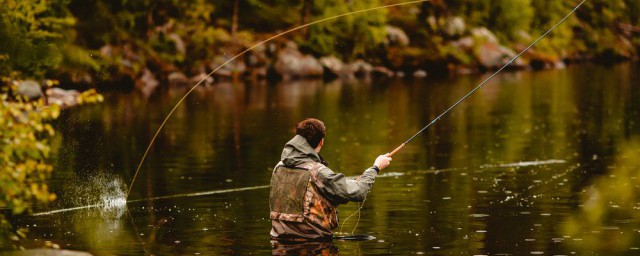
(295, 196)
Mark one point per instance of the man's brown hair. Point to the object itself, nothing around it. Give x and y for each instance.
(311, 129)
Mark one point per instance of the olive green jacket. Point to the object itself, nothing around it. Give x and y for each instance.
(338, 188)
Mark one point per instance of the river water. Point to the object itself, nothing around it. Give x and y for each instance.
(500, 175)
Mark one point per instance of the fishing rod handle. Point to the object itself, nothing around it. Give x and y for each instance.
(397, 149)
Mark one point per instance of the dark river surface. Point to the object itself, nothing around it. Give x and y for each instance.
(508, 172)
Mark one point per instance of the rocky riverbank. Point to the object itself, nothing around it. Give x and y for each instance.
(463, 50)
(114, 45)
(46, 90)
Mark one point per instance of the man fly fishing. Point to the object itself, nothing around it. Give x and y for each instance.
(305, 193)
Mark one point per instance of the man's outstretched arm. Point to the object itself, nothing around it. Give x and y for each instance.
(339, 189)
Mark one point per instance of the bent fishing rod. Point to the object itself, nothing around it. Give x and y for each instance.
(396, 150)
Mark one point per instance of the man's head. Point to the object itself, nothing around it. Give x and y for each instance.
(313, 130)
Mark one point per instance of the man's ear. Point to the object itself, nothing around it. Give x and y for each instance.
(321, 142)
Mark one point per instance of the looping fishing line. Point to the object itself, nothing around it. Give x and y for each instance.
(354, 213)
(469, 94)
(153, 139)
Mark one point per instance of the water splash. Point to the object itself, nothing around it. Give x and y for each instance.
(104, 192)
(113, 198)
(525, 164)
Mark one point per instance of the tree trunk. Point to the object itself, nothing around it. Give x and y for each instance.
(306, 6)
(234, 22)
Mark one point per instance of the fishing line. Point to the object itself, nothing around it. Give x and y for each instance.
(233, 190)
(135, 229)
(396, 150)
(153, 139)
(352, 214)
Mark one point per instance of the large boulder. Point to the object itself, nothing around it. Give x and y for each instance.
(495, 56)
(489, 52)
(29, 90)
(360, 68)
(333, 66)
(483, 34)
(291, 63)
(236, 66)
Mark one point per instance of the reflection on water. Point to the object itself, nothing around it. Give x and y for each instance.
(303, 248)
(499, 175)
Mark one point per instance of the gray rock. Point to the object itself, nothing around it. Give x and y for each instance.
(106, 51)
(46, 252)
(236, 66)
(420, 73)
(465, 43)
(396, 36)
(61, 97)
(489, 52)
(380, 70)
(559, 65)
(361, 67)
(334, 66)
(482, 34)
(495, 55)
(208, 80)
(179, 43)
(29, 89)
(292, 63)
(177, 78)
(454, 26)
(147, 83)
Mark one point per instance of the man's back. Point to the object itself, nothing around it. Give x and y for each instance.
(305, 193)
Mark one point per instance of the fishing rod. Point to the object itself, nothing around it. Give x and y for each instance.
(397, 149)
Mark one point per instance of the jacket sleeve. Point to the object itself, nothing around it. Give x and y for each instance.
(340, 189)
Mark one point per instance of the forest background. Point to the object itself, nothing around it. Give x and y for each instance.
(144, 44)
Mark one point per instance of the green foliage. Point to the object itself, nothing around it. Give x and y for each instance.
(23, 169)
(612, 198)
(52, 37)
(350, 37)
(549, 12)
(633, 11)
(508, 17)
(271, 15)
(601, 36)
(197, 30)
(35, 35)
